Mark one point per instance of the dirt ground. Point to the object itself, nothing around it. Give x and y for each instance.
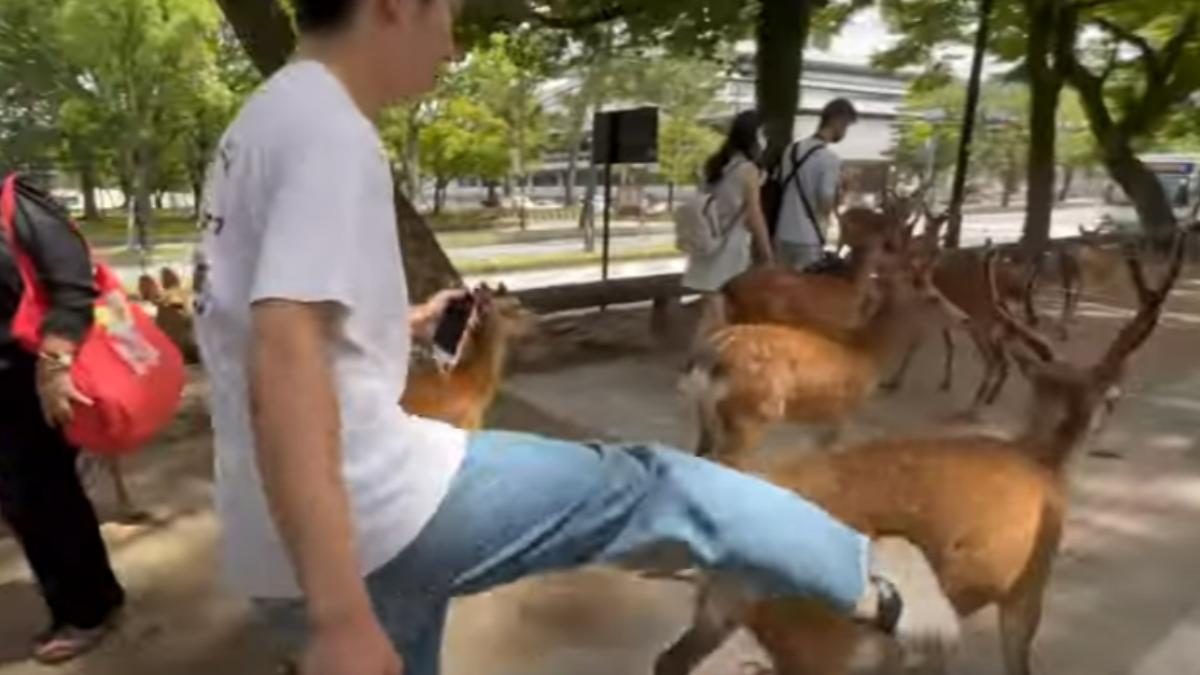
(1123, 598)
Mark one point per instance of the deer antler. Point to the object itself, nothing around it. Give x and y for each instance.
(1038, 344)
(1150, 302)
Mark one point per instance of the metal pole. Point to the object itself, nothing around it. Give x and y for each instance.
(607, 217)
(954, 231)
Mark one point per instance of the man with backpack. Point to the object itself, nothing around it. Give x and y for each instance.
(811, 172)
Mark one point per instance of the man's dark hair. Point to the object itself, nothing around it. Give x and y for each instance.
(322, 15)
(325, 15)
(839, 108)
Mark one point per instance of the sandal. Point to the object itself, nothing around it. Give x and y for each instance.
(67, 643)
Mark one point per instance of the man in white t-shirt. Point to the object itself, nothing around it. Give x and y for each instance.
(356, 522)
(810, 196)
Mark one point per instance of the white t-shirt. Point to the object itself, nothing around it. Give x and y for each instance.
(299, 207)
(818, 177)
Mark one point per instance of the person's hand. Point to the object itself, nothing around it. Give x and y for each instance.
(352, 648)
(425, 317)
(57, 393)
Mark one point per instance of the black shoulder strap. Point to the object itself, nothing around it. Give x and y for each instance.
(795, 177)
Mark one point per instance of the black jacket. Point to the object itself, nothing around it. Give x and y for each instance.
(60, 257)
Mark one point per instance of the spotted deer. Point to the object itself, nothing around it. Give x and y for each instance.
(745, 378)
(987, 512)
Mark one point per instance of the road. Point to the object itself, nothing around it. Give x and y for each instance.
(1001, 228)
(977, 228)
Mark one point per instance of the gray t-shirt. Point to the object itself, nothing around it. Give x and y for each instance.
(818, 177)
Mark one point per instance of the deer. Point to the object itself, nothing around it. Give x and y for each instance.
(174, 310)
(774, 295)
(987, 512)
(462, 395)
(961, 276)
(744, 378)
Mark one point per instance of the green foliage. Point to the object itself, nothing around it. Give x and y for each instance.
(1002, 132)
(683, 148)
(464, 139)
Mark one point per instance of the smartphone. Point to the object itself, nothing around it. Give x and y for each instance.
(451, 331)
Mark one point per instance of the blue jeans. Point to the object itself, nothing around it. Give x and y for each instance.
(522, 505)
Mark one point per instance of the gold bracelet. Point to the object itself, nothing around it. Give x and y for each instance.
(56, 361)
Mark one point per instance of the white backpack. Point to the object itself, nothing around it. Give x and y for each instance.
(700, 229)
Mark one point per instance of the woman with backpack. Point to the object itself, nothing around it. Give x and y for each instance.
(41, 497)
(732, 181)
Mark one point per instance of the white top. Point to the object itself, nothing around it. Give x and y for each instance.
(299, 207)
(819, 179)
(710, 273)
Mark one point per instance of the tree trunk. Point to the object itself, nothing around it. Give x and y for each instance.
(197, 198)
(781, 34)
(1141, 185)
(143, 206)
(87, 185)
(671, 197)
(1045, 91)
(427, 267)
(1068, 179)
(574, 140)
(265, 31)
(125, 182)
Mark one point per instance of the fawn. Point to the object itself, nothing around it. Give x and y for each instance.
(988, 513)
(744, 378)
(463, 395)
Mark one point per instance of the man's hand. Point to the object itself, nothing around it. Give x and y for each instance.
(424, 319)
(351, 648)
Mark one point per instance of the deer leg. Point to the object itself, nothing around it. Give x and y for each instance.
(948, 367)
(987, 354)
(1020, 617)
(127, 512)
(705, 636)
(1002, 366)
(896, 381)
(804, 639)
(742, 437)
(831, 436)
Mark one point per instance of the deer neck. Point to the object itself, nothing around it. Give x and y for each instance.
(1053, 441)
(886, 335)
(486, 362)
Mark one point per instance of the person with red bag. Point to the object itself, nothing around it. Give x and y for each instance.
(40, 493)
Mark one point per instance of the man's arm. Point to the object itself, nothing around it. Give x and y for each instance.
(831, 177)
(297, 430)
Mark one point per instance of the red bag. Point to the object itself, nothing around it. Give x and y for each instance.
(129, 368)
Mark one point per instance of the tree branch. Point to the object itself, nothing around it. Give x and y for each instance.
(1173, 50)
(1149, 54)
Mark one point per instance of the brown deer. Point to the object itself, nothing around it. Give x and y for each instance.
(462, 395)
(744, 378)
(786, 297)
(960, 275)
(987, 513)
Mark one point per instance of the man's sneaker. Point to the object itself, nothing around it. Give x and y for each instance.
(912, 606)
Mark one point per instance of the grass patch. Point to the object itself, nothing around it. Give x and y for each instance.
(166, 225)
(163, 254)
(546, 261)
